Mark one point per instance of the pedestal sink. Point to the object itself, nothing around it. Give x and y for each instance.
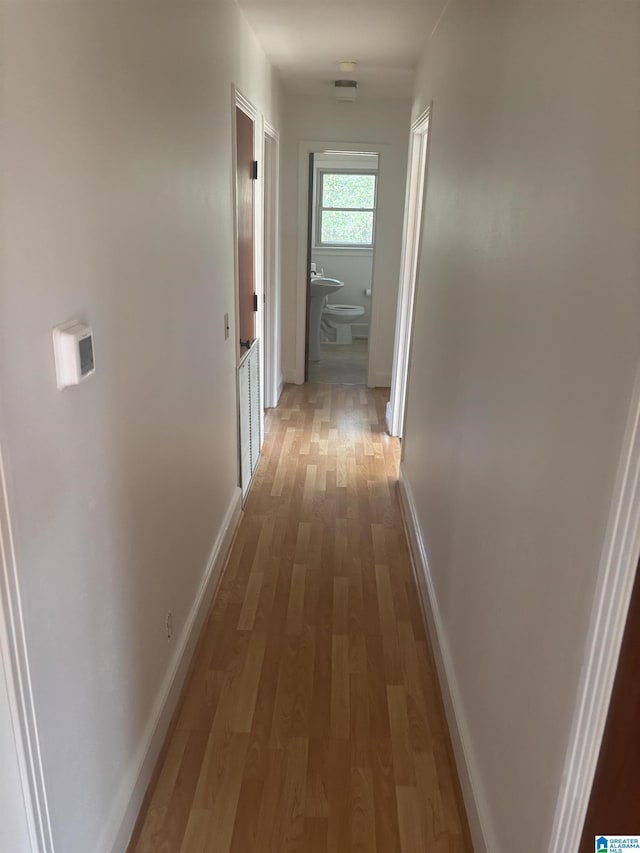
(320, 288)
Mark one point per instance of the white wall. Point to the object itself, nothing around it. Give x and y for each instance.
(383, 125)
(528, 312)
(117, 208)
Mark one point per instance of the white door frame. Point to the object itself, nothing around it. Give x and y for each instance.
(240, 101)
(414, 207)
(15, 663)
(317, 146)
(618, 563)
(272, 370)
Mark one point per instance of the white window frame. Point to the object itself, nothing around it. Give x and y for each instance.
(320, 173)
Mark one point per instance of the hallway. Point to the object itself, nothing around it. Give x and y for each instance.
(312, 720)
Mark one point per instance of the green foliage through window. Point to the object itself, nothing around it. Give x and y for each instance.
(341, 190)
(347, 208)
(347, 226)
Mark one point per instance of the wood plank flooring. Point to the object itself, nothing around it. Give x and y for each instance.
(311, 721)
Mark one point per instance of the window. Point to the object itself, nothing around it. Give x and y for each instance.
(346, 210)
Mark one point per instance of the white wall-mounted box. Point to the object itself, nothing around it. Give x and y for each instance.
(73, 350)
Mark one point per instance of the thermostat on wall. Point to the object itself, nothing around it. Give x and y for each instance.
(73, 350)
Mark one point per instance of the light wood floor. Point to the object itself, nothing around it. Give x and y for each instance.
(311, 722)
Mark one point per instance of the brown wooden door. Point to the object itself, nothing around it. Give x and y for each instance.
(245, 219)
(614, 805)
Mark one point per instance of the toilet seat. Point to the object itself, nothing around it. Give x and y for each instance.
(344, 312)
(340, 318)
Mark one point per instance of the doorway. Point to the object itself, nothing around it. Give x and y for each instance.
(414, 206)
(245, 216)
(615, 795)
(249, 384)
(615, 607)
(26, 823)
(341, 232)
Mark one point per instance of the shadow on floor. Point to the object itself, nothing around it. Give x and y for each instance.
(341, 364)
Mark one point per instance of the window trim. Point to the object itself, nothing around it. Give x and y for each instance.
(319, 208)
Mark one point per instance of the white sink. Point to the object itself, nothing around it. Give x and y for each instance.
(321, 287)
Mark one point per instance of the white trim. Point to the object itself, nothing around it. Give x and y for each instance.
(360, 331)
(240, 101)
(341, 251)
(259, 253)
(244, 103)
(271, 213)
(611, 604)
(235, 325)
(411, 245)
(269, 130)
(129, 798)
(379, 378)
(316, 232)
(13, 647)
(480, 824)
(305, 148)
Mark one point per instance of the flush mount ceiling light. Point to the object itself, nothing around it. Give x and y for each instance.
(345, 90)
(347, 65)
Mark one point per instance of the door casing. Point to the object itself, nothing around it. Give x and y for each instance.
(411, 245)
(305, 148)
(618, 562)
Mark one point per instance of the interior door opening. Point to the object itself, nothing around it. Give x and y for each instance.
(245, 214)
(341, 234)
(249, 386)
(615, 793)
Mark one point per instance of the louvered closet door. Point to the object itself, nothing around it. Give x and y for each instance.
(245, 425)
(249, 400)
(254, 403)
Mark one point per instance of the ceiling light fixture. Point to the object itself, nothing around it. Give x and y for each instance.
(345, 90)
(347, 66)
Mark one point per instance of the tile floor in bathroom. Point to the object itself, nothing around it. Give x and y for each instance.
(341, 364)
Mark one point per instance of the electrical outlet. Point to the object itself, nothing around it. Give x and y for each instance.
(169, 625)
(226, 327)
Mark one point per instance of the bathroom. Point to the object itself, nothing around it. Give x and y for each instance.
(342, 234)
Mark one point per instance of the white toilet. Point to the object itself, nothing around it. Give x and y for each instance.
(340, 318)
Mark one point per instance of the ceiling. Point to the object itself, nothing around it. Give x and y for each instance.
(305, 39)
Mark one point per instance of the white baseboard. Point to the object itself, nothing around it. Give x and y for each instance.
(380, 379)
(480, 823)
(128, 801)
